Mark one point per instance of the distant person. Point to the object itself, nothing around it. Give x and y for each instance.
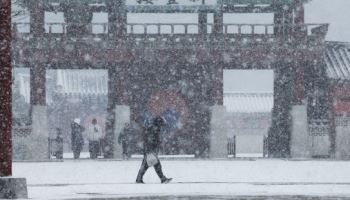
(172, 2)
(146, 1)
(59, 144)
(124, 139)
(77, 138)
(151, 143)
(94, 135)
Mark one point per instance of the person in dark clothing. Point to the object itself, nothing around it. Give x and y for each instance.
(151, 143)
(59, 144)
(124, 140)
(77, 138)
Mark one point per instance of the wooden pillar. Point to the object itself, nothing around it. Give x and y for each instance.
(283, 20)
(299, 13)
(218, 87)
(37, 15)
(332, 117)
(299, 21)
(299, 80)
(37, 71)
(117, 95)
(278, 20)
(218, 68)
(121, 84)
(5, 90)
(299, 63)
(117, 18)
(37, 85)
(218, 19)
(280, 133)
(202, 23)
(111, 103)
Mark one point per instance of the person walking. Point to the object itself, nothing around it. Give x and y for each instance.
(59, 144)
(124, 139)
(94, 134)
(77, 137)
(151, 143)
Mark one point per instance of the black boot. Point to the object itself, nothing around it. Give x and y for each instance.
(139, 181)
(142, 171)
(166, 180)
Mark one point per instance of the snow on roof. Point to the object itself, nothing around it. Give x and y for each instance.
(337, 58)
(248, 102)
(82, 82)
(94, 82)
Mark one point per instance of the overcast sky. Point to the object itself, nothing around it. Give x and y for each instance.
(335, 12)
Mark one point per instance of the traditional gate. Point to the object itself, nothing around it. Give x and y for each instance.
(186, 63)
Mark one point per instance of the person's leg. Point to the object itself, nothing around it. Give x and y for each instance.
(97, 146)
(142, 170)
(91, 148)
(94, 150)
(75, 153)
(124, 150)
(159, 171)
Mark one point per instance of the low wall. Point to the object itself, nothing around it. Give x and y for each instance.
(342, 141)
(122, 116)
(309, 138)
(31, 142)
(218, 133)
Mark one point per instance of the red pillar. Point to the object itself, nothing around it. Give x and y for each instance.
(299, 20)
(299, 12)
(5, 89)
(219, 85)
(299, 81)
(218, 22)
(38, 71)
(37, 85)
(37, 15)
(111, 103)
(202, 23)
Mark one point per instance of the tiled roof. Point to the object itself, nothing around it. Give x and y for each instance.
(337, 59)
(248, 102)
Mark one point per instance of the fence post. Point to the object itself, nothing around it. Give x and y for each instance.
(234, 146)
(49, 146)
(264, 146)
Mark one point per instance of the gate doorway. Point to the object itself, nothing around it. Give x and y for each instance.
(71, 95)
(248, 98)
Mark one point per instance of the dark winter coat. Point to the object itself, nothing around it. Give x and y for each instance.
(125, 135)
(151, 140)
(77, 137)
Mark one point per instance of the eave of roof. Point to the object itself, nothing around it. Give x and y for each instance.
(337, 59)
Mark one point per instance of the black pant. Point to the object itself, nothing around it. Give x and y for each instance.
(125, 149)
(76, 154)
(94, 148)
(144, 167)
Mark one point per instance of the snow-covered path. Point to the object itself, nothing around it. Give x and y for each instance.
(105, 179)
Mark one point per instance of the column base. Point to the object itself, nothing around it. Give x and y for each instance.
(13, 188)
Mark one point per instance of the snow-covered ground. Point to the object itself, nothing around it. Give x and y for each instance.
(112, 179)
